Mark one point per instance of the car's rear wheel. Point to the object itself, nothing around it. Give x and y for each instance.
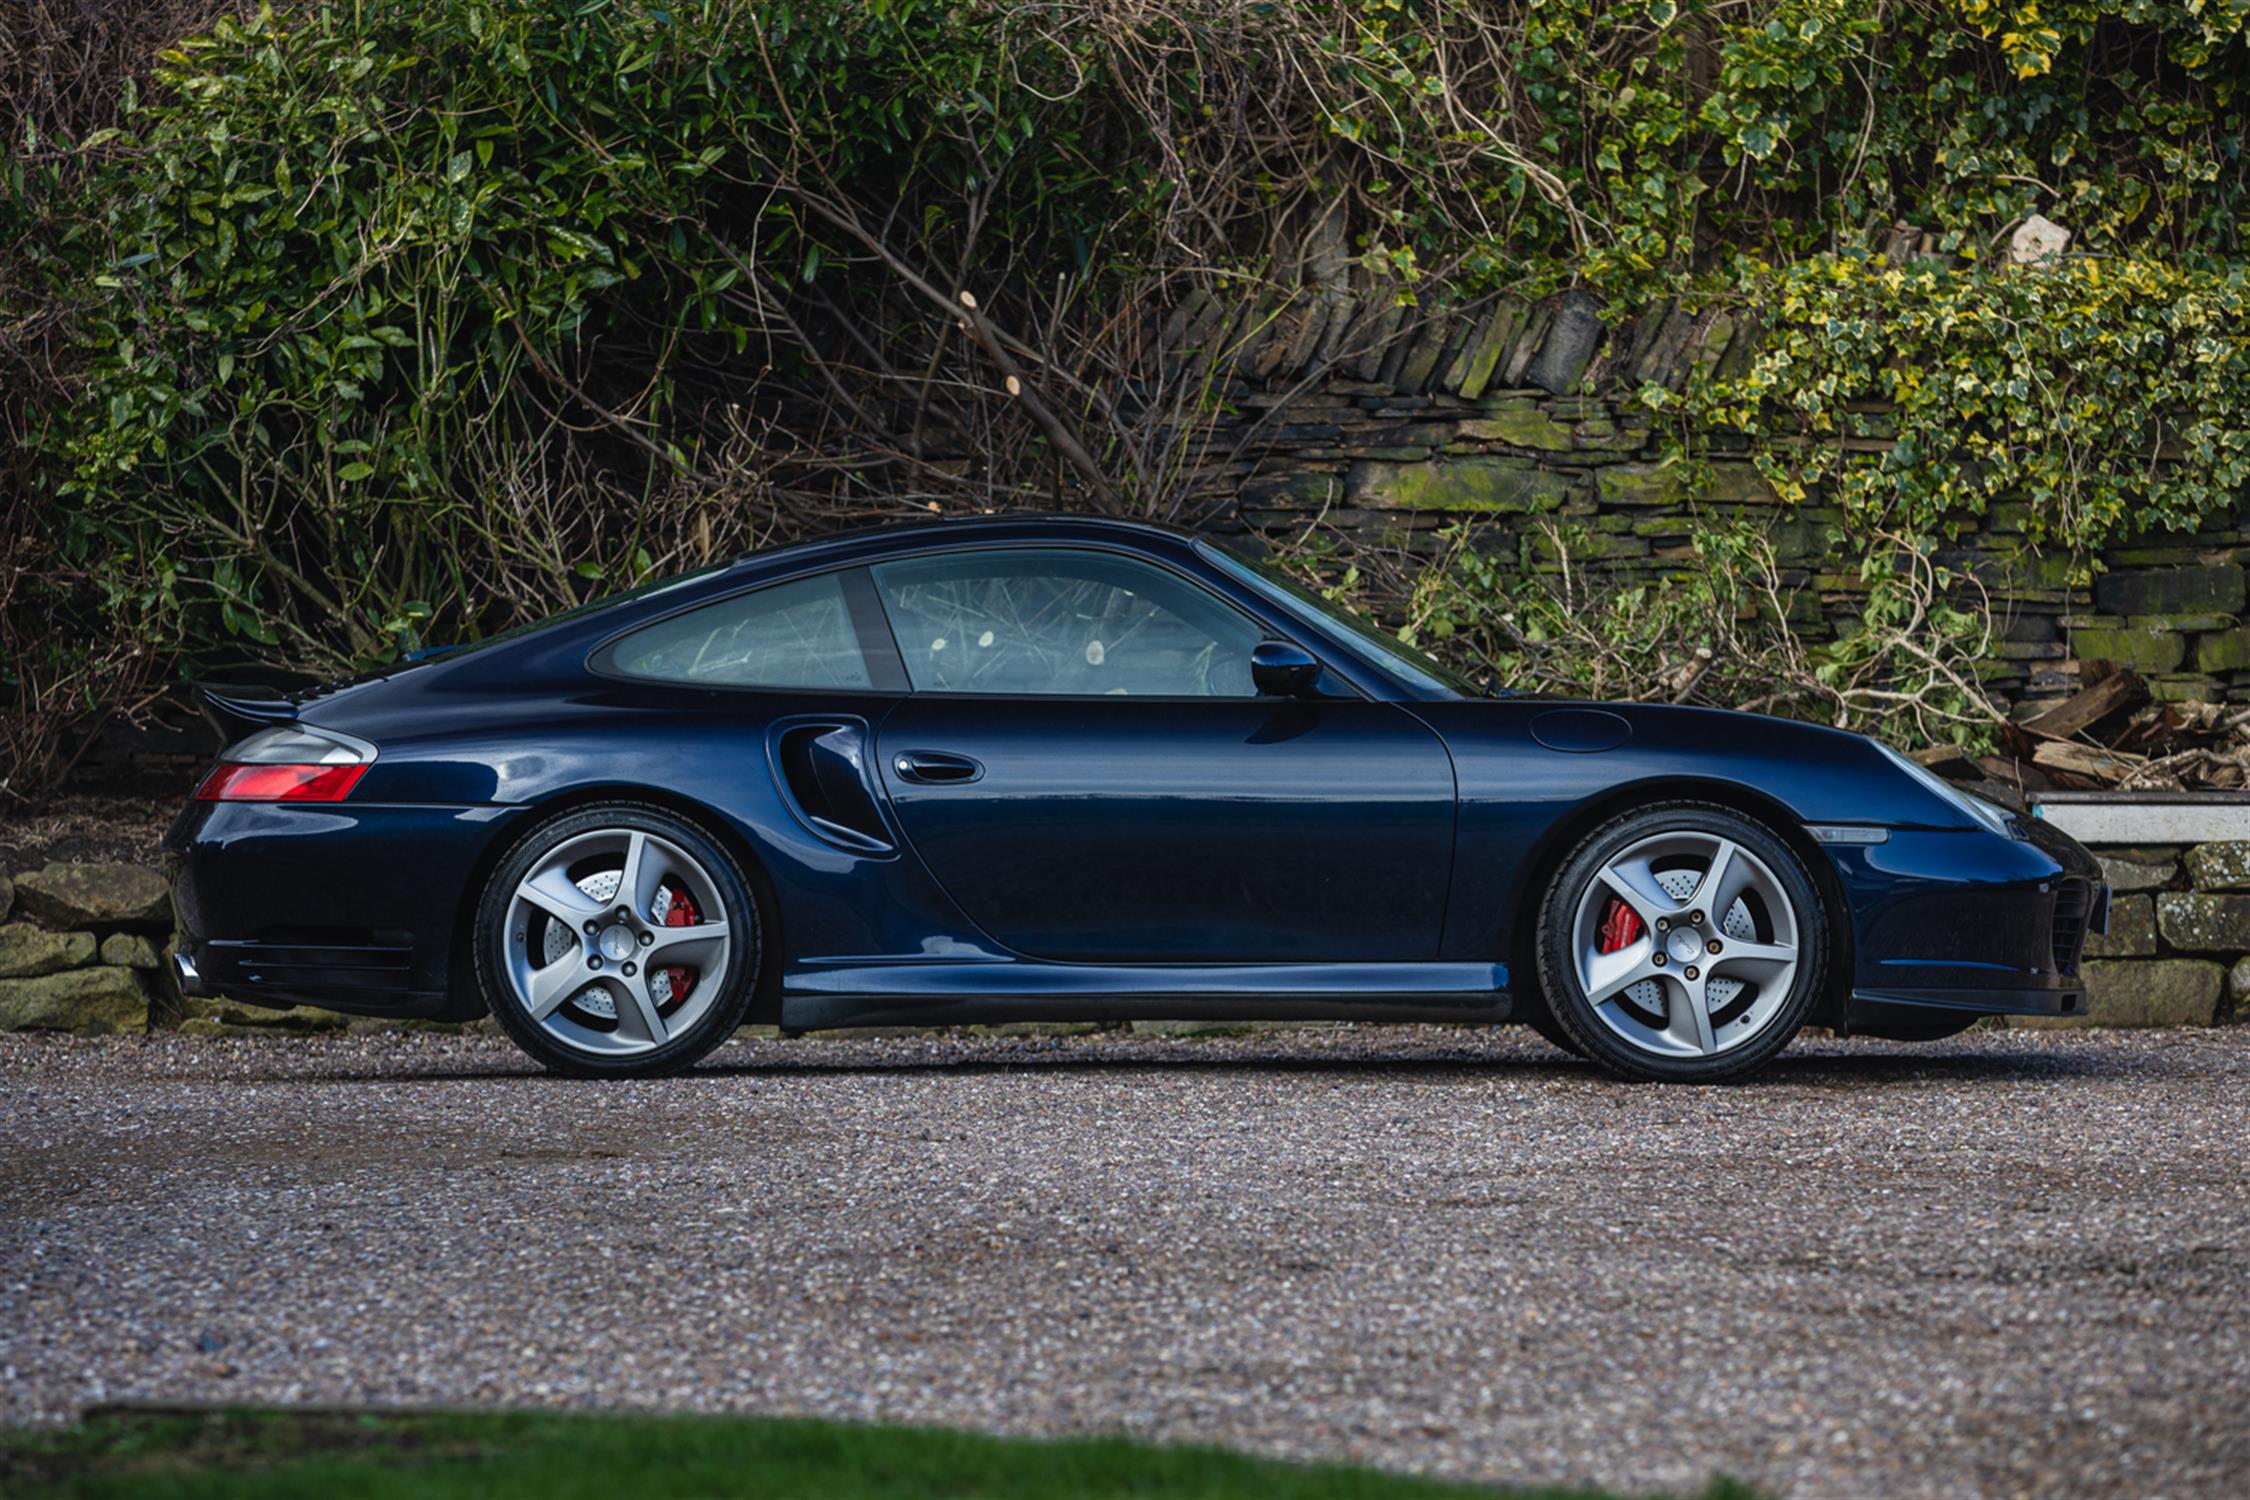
(1682, 942)
(618, 940)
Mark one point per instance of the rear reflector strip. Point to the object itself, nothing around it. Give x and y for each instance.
(233, 781)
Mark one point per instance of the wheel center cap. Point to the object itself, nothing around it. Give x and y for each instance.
(1685, 944)
(617, 942)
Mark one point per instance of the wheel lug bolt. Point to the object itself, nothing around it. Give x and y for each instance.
(1713, 945)
(1695, 919)
(647, 938)
(592, 927)
(1657, 960)
(594, 961)
(630, 971)
(1663, 924)
(1692, 972)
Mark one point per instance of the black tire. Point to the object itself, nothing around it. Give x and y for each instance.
(737, 986)
(1533, 1013)
(1566, 998)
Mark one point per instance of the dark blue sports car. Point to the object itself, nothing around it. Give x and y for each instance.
(1071, 769)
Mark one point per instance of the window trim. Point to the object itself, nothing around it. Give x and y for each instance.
(883, 666)
(1264, 631)
(884, 659)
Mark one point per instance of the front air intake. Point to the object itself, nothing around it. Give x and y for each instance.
(2074, 901)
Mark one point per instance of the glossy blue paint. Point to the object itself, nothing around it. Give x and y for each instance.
(1119, 830)
(1376, 846)
(1580, 731)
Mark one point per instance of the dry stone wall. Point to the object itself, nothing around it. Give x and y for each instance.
(1347, 417)
(2179, 933)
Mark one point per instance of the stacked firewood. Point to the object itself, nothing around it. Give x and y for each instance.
(2110, 736)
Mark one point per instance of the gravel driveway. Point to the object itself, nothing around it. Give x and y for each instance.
(2010, 1264)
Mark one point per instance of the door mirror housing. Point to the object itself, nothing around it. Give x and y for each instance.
(1283, 669)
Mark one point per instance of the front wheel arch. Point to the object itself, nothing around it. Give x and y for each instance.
(1631, 1044)
(1566, 832)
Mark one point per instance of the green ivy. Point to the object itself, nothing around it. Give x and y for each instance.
(2111, 397)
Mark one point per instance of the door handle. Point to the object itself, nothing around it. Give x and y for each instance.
(935, 767)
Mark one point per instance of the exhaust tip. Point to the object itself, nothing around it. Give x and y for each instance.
(183, 969)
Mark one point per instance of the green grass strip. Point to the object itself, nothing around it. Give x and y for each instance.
(246, 1454)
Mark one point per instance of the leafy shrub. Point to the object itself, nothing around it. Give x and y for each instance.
(1723, 632)
(365, 323)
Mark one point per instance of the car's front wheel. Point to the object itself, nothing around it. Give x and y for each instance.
(618, 941)
(1682, 942)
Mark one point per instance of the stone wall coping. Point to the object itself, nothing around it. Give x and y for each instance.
(2120, 798)
(2146, 817)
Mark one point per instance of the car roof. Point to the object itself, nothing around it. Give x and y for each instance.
(1026, 525)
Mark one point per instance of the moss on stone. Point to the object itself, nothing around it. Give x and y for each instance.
(91, 1002)
(1490, 484)
(1520, 427)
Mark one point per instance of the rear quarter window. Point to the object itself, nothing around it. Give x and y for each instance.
(796, 634)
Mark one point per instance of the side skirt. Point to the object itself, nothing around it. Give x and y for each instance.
(962, 992)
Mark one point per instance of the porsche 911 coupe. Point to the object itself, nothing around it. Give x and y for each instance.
(1071, 769)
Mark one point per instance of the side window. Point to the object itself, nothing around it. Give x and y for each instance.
(786, 635)
(1063, 622)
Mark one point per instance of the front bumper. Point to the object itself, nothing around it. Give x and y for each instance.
(355, 908)
(1954, 923)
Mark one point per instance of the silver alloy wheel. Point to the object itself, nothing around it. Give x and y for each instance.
(1715, 954)
(588, 930)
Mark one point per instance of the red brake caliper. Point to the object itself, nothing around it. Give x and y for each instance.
(681, 913)
(1621, 925)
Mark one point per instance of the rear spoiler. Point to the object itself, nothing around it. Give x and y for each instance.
(238, 711)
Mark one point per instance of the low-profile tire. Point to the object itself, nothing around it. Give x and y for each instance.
(1682, 942)
(618, 940)
(1550, 1031)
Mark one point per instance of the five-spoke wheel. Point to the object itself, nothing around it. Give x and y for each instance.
(618, 939)
(1683, 941)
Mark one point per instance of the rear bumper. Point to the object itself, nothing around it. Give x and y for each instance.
(1947, 924)
(349, 908)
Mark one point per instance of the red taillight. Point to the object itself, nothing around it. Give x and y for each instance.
(232, 781)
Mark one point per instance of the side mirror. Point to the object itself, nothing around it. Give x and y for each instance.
(1283, 669)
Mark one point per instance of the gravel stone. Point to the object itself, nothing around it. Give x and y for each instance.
(2015, 1263)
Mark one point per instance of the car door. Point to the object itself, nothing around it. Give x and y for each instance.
(1086, 766)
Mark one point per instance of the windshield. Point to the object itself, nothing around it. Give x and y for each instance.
(1391, 653)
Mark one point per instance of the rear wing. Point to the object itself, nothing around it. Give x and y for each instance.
(239, 711)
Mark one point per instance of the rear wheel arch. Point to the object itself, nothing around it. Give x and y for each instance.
(1565, 834)
(461, 977)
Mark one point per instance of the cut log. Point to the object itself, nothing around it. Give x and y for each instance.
(2020, 774)
(2104, 766)
(2110, 694)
